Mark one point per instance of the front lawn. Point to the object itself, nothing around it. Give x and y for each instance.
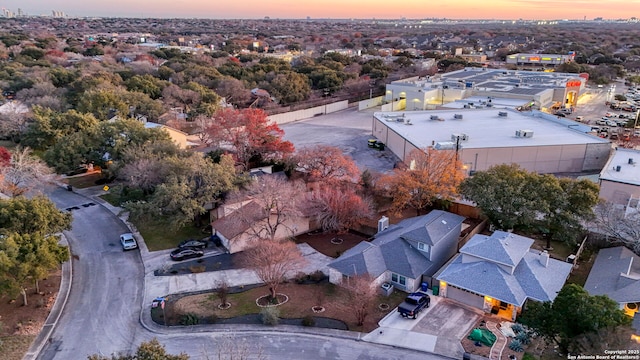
(301, 300)
(159, 236)
(84, 181)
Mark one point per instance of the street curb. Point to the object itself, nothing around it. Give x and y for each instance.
(44, 335)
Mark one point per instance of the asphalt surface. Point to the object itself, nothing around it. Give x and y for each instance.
(101, 315)
(348, 130)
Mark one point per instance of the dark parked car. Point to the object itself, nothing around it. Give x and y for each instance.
(193, 244)
(413, 304)
(183, 254)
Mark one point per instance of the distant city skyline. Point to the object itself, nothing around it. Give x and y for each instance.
(335, 9)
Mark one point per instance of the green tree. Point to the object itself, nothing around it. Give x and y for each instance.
(47, 127)
(151, 350)
(289, 87)
(103, 104)
(572, 314)
(147, 84)
(37, 215)
(191, 183)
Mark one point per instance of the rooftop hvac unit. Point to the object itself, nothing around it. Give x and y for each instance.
(407, 122)
(461, 137)
(445, 145)
(467, 106)
(434, 117)
(503, 113)
(457, 116)
(524, 133)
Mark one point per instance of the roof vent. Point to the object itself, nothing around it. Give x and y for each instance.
(503, 113)
(630, 161)
(524, 133)
(618, 168)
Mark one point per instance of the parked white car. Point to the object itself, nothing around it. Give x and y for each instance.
(128, 242)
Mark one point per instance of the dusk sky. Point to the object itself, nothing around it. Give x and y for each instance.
(335, 9)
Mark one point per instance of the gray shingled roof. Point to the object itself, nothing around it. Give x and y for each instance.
(529, 280)
(501, 247)
(364, 258)
(390, 250)
(606, 276)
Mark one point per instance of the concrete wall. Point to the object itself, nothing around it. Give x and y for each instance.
(596, 156)
(369, 103)
(309, 113)
(618, 193)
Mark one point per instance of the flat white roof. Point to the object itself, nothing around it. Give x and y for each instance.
(484, 100)
(629, 173)
(485, 128)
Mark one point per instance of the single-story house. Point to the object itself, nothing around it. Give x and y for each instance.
(405, 254)
(616, 273)
(236, 232)
(499, 273)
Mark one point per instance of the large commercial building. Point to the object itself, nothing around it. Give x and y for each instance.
(539, 59)
(534, 89)
(486, 137)
(620, 178)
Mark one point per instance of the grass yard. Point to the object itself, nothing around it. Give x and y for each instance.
(159, 236)
(301, 299)
(15, 347)
(84, 181)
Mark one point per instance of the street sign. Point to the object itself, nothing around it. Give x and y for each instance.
(105, 188)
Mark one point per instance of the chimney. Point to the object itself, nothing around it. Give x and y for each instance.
(383, 223)
(544, 258)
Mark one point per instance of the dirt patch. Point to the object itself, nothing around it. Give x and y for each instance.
(20, 324)
(483, 350)
(322, 242)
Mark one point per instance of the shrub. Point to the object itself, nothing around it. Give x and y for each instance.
(523, 337)
(317, 276)
(308, 321)
(301, 278)
(517, 328)
(189, 319)
(516, 345)
(270, 315)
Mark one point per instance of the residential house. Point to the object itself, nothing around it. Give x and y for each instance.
(178, 137)
(616, 273)
(237, 223)
(499, 273)
(404, 255)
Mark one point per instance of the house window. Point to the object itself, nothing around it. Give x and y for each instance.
(423, 247)
(398, 279)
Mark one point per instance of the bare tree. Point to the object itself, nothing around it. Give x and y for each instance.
(613, 220)
(222, 291)
(280, 202)
(273, 261)
(361, 294)
(25, 173)
(13, 123)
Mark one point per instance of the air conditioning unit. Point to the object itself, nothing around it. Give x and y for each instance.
(462, 137)
(524, 133)
(445, 145)
(407, 122)
(434, 117)
(503, 113)
(457, 116)
(467, 106)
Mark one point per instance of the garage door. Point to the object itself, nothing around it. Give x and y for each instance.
(465, 297)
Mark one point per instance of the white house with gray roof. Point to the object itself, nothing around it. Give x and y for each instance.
(616, 273)
(499, 273)
(405, 254)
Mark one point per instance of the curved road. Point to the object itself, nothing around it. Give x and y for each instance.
(102, 314)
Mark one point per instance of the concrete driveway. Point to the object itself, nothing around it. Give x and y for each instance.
(438, 329)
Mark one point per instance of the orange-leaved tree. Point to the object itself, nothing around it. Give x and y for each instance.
(430, 175)
(326, 164)
(250, 133)
(339, 208)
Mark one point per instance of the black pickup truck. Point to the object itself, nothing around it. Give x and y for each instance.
(413, 304)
